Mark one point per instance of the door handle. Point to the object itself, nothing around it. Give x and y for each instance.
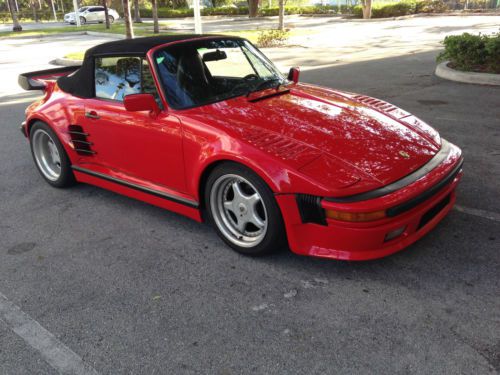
(92, 114)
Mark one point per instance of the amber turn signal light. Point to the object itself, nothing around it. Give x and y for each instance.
(355, 216)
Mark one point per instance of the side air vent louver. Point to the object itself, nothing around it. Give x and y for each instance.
(79, 139)
(310, 209)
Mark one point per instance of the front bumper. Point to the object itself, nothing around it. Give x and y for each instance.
(370, 240)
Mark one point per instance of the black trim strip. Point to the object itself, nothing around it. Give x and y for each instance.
(408, 205)
(405, 181)
(143, 189)
(77, 133)
(82, 142)
(85, 151)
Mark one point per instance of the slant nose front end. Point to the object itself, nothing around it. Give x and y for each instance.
(377, 223)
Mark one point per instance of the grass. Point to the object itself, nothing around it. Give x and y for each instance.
(251, 35)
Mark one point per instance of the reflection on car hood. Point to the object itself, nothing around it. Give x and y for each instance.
(337, 135)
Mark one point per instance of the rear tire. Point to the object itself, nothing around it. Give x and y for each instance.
(243, 210)
(50, 157)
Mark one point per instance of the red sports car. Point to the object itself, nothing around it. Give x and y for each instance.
(207, 124)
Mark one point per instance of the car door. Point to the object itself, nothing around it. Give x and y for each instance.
(92, 14)
(98, 14)
(134, 146)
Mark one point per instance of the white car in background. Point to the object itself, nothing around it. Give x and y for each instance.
(92, 14)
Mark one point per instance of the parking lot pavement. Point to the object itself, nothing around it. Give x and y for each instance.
(131, 288)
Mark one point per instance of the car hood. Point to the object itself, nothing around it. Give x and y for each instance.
(338, 138)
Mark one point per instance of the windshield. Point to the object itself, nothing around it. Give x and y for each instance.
(83, 9)
(208, 71)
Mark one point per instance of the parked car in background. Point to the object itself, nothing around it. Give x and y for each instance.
(92, 14)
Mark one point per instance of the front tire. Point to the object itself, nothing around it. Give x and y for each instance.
(111, 19)
(243, 210)
(83, 21)
(50, 157)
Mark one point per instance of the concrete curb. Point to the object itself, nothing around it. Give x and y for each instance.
(445, 72)
(97, 33)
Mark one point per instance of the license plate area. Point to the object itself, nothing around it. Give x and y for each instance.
(432, 212)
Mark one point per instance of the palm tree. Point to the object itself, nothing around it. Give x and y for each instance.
(137, 15)
(366, 5)
(106, 16)
(253, 8)
(129, 27)
(281, 25)
(16, 25)
(156, 27)
(52, 5)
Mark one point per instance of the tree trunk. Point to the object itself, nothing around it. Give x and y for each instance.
(16, 26)
(253, 8)
(281, 24)
(33, 9)
(137, 14)
(156, 26)
(53, 10)
(106, 14)
(367, 8)
(62, 6)
(129, 27)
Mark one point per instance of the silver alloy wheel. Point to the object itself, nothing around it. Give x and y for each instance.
(46, 154)
(238, 210)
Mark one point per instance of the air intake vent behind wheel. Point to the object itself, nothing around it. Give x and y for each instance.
(80, 141)
(310, 209)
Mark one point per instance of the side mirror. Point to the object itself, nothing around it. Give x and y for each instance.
(141, 102)
(293, 74)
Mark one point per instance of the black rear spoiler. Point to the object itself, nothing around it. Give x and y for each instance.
(36, 80)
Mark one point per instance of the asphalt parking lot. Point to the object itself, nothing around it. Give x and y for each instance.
(130, 288)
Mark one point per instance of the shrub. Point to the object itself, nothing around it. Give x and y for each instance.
(27, 15)
(470, 52)
(272, 38)
(186, 12)
(310, 9)
(431, 6)
(403, 8)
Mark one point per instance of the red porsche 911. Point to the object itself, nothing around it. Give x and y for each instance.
(206, 126)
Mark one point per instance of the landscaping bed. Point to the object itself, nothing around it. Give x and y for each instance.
(471, 58)
(472, 53)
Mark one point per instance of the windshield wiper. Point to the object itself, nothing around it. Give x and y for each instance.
(263, 84)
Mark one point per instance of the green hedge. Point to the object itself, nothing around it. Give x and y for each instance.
(44, 15)
(470, 52)
(186, 12)
(403, 8)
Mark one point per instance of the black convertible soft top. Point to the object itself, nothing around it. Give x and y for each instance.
(81, 82)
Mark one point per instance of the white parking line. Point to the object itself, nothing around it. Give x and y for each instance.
(58, 355)
(481, 213)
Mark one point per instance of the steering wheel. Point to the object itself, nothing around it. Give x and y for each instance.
(251, 77)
